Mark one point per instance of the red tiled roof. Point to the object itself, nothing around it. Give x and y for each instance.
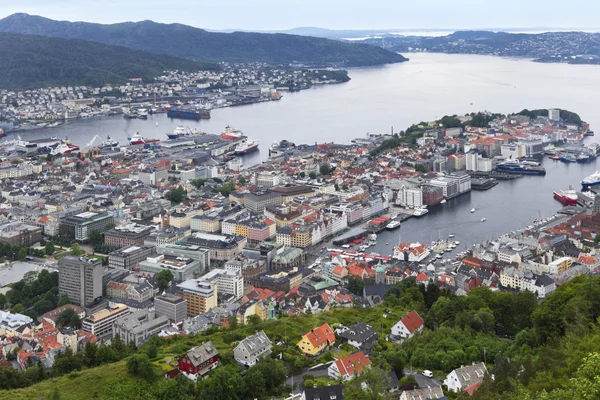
(320, 335)
(353, 364)
(412, 321)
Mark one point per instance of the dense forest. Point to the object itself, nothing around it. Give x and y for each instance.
(567, 116)
(189, 42)
(541, 350)
(35, 61)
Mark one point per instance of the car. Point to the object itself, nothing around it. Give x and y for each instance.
(427, 373)
(28, 259)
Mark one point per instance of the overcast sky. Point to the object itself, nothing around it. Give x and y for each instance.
(333, 14)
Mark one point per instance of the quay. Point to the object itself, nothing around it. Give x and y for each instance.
(483, 183)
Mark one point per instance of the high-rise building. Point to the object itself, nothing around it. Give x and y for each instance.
(554, 114)
(171, 306)
(80, 278)
(79, 226)
(200, 296)
(597, 205)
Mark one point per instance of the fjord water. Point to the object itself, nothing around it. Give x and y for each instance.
(428, 86)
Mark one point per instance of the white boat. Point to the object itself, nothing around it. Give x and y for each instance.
(451, 235)
(419, 212)
(456, 242)
(393, 225)
(247, 145)
(483, 219)
(443, 201)
(472, 210)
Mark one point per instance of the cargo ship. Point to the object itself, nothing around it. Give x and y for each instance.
(188, 114)
(567, 197)
(230, 133)
(592, 180)
(139, 139)
(516, 167)
(246, 146)
(181, 132)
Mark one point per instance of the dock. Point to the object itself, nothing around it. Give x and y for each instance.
(499, 176)
(350, 236)
(483, 183)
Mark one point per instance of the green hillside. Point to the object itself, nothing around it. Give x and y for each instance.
(189, 42)
(31, 61)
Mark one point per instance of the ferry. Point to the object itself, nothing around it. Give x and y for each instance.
(516, 167)
(393, 225)
(109, 142)
(231, 133)
(592, 180)
(246, 146)
(139, 139)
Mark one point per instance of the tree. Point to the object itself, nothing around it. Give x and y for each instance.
(76, 250)
(164, 278)
(272, 371)
(90, 354)
(2, 301)
(64, 299)
(337, 187)
(233, 323)
(312, 175)
(139, 365)
(68, 318)
(22, 254)
(95, 237)
(325, 170)
(394, 359)
(372, 385)
(356, 285)
(109, 226)
(152, 350)
(224, 383)
(254, 320)
(177, 195)
(302, 174)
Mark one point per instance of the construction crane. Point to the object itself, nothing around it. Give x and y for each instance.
(92, 142)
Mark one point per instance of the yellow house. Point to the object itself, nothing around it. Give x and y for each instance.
(317, 340)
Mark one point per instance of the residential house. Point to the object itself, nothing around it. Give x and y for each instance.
(408, 326)
(199, 360)
(333, 392)
(349, 367)
(432, 393)
(462, 377)
(361, 336)
(251, 349)
(317, 340)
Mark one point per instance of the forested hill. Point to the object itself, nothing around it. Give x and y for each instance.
(30, 61)
(189, 42)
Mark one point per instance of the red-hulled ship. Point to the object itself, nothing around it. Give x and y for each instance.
(567, 197)
(139, 139)
(231, 133)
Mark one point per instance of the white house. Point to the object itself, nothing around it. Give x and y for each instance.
(420, 394)
(349, 366)
(462, 377)
(408, 326)
(251, 349)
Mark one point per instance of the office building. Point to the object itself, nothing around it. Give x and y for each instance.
(101, 322)
(80, 278)
(20, 234)
(200, 296)
(139, 326)
(182, 267)
(127, 235)
(79, 226)
(222, 247)
(227, 282)
(256, 202)
(130, 257)
(186, 250)
(171, 306)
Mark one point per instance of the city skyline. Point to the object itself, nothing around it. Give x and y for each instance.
(351, 14)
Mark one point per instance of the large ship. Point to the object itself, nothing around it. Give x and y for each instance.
(230, 133)
(181, 131)
(592, 180)
(109, 143)
(139, 139)
(246, 146)
(188, 114)
(516, 167)
(63, 148)
(567, 197)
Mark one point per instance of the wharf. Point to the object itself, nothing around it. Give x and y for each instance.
(499, 176)
(350, 236)
(483, 183)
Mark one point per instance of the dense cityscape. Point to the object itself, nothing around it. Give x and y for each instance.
(269, 244)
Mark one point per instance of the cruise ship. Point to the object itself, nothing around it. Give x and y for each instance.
(246, 146)
(592, 180)
(180, 131)
(516, 167)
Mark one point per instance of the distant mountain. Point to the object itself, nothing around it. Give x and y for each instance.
(31, 61)
(189, 42)
(566, 47)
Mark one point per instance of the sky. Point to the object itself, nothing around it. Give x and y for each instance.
(332, 14)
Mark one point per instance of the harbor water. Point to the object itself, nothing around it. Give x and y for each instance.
(376, 99)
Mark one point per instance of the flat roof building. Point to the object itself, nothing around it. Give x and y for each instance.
(172, 306)
(80, 278)
(200, 296)
(101, 322)
(79, 226)
(182, 267)
(130, 257)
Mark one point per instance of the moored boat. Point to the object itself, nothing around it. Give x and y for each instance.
(138, 139)
(567, 197)
(591, 180)
(246, 146)
(230, 133)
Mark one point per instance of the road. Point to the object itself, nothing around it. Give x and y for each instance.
(422, 380)
(318, 372)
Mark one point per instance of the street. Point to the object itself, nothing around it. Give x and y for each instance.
(422, 380)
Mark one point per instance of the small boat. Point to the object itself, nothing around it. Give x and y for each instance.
(555, 157)
(472, 210)
(451, 235)
(443, 201)
(393, 225)
(456, 242)
(483, 219)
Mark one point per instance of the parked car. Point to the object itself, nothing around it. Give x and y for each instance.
(428, 373)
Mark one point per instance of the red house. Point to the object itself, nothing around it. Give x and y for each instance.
(199, 360)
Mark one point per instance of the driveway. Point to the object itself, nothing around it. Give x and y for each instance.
(422, 380)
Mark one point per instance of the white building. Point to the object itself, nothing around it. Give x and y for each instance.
(554, 114)
(462, 377)
(408, 326)
(226, 281)
(410, 197)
